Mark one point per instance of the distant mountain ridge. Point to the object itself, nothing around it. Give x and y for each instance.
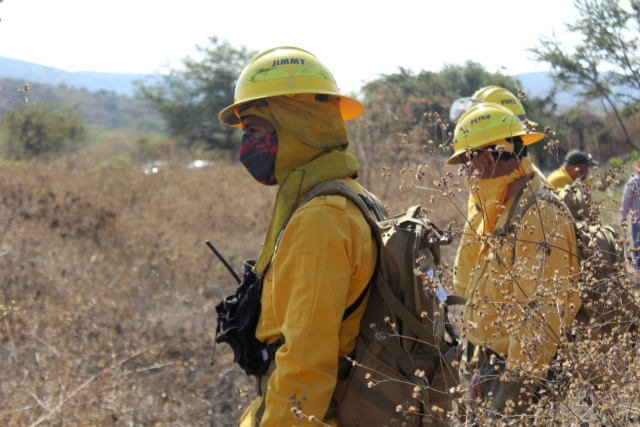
(536, 84)
(540, 84)
(121, 84)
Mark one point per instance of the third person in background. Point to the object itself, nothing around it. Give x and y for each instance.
(576, 165)
(630, 209)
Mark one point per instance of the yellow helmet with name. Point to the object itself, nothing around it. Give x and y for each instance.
(502, 96)
(286, 70)
(493, 94)
(488, 124)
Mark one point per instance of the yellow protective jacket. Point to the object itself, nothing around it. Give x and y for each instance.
(324, 260)
(318, 267)
(500, 280)
(559, 178)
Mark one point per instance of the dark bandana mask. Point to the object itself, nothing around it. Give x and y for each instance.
(259, 157)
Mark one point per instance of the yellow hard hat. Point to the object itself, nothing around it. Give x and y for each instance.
(487, 124)
(285, 70)
(502, 96)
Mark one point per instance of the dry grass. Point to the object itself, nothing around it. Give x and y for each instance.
(107, 311)
(108, 291)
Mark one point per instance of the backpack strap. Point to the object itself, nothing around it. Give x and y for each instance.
(365, 203)
(380, 209)
(516, 209)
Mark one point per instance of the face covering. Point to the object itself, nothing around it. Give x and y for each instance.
(488, 195)
(258, 155)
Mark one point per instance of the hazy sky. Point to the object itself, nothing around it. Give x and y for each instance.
(357, 40)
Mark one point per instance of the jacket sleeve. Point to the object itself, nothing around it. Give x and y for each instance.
(325, 259)
(543, 286)
(626, 200)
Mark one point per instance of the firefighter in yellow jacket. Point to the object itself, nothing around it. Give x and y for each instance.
(500, 96)
(576, 165)
(317, 260)
(517, 273)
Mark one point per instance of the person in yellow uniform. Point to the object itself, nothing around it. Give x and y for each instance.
(505, 98)
(316, 261)
(575, 165)
(517, 273)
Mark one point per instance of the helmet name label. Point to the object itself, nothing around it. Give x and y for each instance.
(288, 61)
(508, 101)
(480, 118)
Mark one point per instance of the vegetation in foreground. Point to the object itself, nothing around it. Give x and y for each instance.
(107, 310)
(108, 291)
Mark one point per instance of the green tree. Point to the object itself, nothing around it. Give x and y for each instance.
(190, 99)
(466, 79)
(604, 65)
(33, 129)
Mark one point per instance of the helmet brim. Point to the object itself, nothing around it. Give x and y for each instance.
(350, 108)
(527, 139)
(532, 137)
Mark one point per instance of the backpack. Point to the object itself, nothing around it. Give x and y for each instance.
(609, 307)
(403, 366)
(594, 240)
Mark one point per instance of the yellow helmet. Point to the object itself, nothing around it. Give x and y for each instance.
(487, 124)
(501, 96)
(285, 70)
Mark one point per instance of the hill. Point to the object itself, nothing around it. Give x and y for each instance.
(535, 84)
(540, 84)
(106, 109)
(121, 84)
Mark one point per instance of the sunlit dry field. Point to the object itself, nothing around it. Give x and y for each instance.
(107, 313)
(108, 290)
